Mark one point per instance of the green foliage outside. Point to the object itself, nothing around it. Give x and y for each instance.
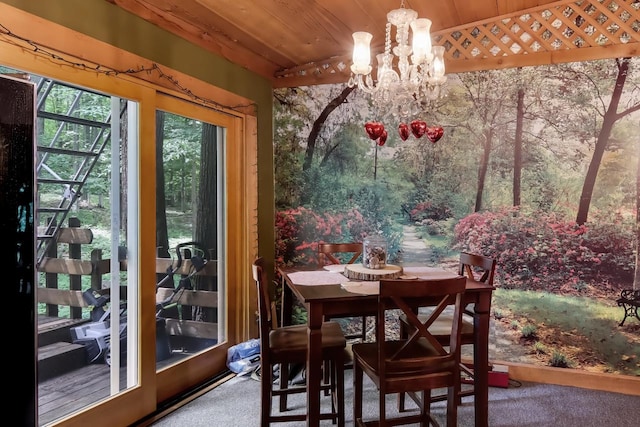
(181, 154)
(559, 360)
(528, 331)
(542, 251)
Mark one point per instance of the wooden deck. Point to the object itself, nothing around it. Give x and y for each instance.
(73, 391)
(67, 382)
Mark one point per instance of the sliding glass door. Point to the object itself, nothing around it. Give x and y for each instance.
(137, 193)
(191, 237)
(87, 246)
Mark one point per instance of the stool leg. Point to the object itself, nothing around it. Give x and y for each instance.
(357, 393)
(339, 387)
(326, 370)
(284, 384)
(401, 402)
(266, 390)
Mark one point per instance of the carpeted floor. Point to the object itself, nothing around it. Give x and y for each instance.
(236, 403)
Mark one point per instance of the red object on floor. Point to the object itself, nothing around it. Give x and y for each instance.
(498, 379)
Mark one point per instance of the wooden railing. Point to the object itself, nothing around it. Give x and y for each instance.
(55, 297)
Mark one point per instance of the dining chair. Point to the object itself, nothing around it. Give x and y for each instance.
(418, 363)
(474, 267)
(282, 346)
(343, 253)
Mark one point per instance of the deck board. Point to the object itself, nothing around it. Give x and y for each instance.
(73, 391)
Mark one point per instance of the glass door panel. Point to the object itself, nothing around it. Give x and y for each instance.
(190, 236)
(86, 224)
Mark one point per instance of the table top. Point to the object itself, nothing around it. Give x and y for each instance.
(314, 284)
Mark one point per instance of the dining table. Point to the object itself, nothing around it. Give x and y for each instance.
(328, 292)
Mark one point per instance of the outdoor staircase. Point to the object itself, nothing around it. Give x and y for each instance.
(56, 354)
(64, 164)
(72, 133)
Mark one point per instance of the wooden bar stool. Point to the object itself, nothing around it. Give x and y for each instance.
(286, 345)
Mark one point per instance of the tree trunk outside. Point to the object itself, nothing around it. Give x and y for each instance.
(317, 126)
(183, 186)
(206, 227)
(195, 175)
(313, 136)
(162, 234)
(484, 166)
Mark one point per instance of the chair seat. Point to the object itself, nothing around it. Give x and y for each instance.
(292, 340)
(440, 329)
(367, 355)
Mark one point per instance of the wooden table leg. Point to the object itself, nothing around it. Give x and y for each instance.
(481, 360)
(314, 364)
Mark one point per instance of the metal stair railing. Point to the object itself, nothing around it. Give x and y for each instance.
(71, 185)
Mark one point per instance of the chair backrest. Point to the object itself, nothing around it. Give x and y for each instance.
(408, 296)
(477, 267)
(327, 252)
(267, 318)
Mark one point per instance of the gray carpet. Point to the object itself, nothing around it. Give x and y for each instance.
(236, 403)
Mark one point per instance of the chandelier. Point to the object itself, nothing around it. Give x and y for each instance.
(408, 77)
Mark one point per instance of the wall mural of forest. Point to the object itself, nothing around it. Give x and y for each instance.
(538, 167)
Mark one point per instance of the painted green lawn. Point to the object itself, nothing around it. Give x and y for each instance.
(596, 320)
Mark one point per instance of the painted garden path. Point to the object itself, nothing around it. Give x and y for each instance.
(413, 250)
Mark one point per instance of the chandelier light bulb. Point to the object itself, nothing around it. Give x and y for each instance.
(421, 41)
(361, 53)
(438, 61)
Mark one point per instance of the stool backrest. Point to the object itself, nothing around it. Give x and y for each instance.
(477, 267)
(327, 253)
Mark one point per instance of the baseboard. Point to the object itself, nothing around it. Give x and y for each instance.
(615, 383)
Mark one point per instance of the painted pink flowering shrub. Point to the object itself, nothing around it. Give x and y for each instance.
(545, 251)
(299, 230)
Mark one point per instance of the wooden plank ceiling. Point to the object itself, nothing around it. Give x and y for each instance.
(308, 42)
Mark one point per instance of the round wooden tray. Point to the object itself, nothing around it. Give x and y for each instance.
(358, 272)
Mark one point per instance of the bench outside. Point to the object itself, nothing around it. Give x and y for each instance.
(630, 301)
